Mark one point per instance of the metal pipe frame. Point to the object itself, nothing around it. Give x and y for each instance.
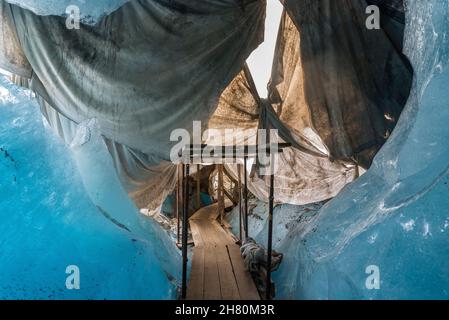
(270, 237)
(178, 200)
(240, 200)
(184, 229)
(185, 202)
(245, 195)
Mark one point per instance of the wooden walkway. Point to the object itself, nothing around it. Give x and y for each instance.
(217, 271)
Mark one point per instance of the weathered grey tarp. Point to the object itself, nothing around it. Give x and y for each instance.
(305, 174)
(154, 66)
(90, 10)
(147, 179)
(336, 77)
(149, 68)
(146, 69)
(392, 19)
(12, 57)
(237, 110)
(337, 90)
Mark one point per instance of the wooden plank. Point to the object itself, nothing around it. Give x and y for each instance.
(211, 276)
(228, 285)
(196, 283)
(213, 236)
(222, 235)
(217, 266)
(196, 234)
(245, 283)
(209, 212)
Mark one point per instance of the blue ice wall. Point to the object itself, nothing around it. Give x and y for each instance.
(396, 216)
(48, 222)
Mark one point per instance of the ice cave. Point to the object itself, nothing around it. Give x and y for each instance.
(95, 204)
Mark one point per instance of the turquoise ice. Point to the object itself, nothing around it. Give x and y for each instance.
(395, 218)
(49, 222)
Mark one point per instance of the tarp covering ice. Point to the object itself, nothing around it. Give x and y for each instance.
(146, 69)
(396, 216)
(139, 89)
(349, 87)
(335, 95)
(122, 85)
(90, 10)
(143, 71)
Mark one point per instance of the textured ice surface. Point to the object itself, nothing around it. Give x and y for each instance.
(287, 219)
(91, 10)
(49, 222)
(396, 216)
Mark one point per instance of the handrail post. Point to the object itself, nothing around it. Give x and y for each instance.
(178, 198)
(220, 192)
(240, 200)
(184, 230)
(270, 235)
(245, 195)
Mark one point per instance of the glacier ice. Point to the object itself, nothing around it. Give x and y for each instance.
(396, 216)
(58, 211)
(49, 221)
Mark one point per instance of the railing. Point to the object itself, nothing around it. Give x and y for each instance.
(226, 152)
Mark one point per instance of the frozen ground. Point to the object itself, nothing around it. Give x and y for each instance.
(49, 222)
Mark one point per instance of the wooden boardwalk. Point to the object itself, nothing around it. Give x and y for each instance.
(217, 271)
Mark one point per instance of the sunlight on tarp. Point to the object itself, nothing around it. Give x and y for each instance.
(261, 60)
